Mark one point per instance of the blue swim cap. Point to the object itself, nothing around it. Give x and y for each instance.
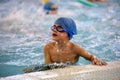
(48, 5)
(68, 24)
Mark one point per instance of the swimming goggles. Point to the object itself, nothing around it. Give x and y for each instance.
(58, 28)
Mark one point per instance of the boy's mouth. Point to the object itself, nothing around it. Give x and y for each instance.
(54, 34)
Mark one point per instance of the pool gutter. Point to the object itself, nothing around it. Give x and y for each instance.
(87, 72)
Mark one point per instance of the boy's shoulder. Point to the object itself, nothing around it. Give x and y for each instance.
(74, 45)
(50, 44)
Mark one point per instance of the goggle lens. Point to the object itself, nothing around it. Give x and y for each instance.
(58, 28)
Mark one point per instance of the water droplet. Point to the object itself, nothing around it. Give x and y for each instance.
(58, 50)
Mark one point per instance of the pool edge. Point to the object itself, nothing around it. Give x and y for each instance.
(87, 72)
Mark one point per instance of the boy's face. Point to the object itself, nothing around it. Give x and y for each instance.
(58, 33)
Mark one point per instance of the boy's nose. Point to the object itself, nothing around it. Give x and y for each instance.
(54, 30)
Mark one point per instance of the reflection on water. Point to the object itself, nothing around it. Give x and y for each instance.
(25, 29)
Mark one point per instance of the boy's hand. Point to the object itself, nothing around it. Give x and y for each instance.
(98, 62)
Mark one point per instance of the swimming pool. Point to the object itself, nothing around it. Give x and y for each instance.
(24, 30)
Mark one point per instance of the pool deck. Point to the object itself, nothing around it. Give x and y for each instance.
(87, 72)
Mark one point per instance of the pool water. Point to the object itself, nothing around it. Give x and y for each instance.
(25, 29)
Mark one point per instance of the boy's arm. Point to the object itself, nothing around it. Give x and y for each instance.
(47, 55)
(82, 52)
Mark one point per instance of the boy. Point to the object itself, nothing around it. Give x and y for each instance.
(50, 7)
(62, 50)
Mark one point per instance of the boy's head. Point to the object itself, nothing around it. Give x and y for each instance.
(68, 24)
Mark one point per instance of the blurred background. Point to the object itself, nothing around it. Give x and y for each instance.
(25, 29)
